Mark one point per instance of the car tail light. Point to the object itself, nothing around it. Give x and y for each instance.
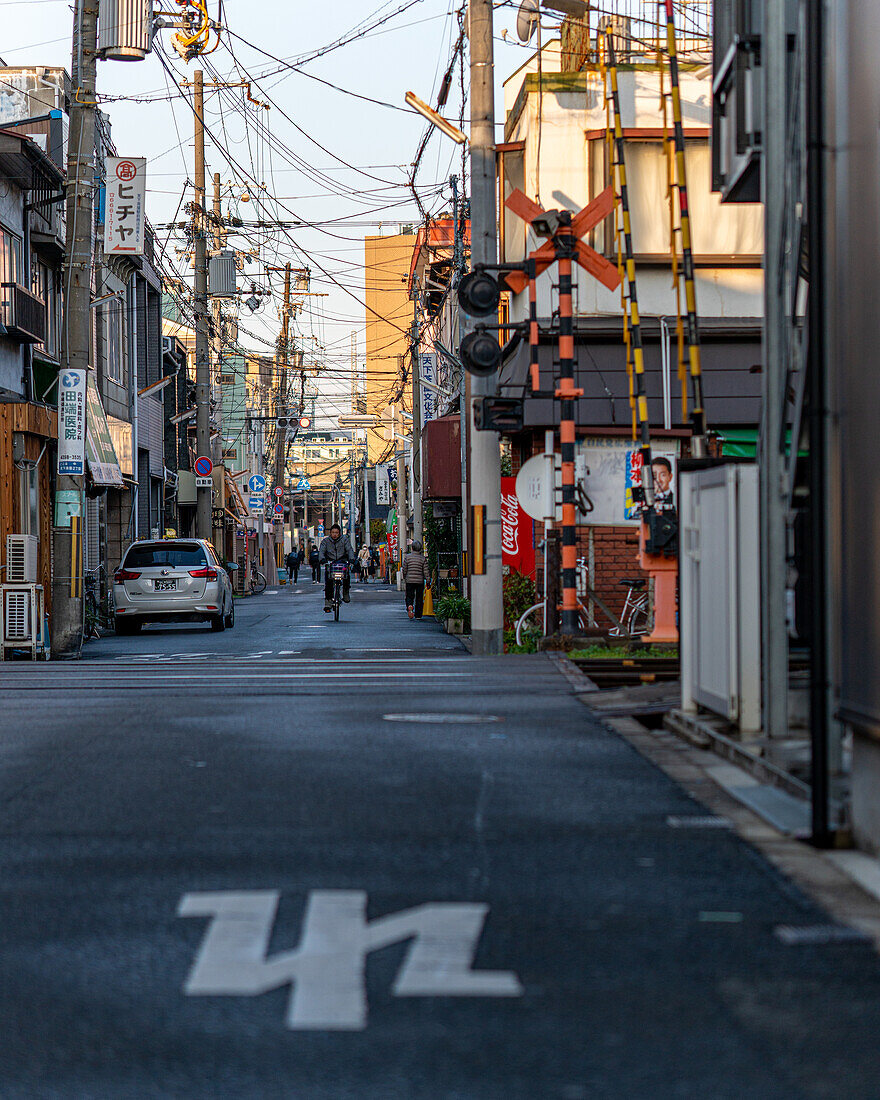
(124, 575)
(207, 573)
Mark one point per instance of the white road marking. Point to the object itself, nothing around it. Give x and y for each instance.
(448, 719)
(326, 971)
(288, 652)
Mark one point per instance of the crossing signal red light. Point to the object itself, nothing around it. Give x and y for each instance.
(479, 294)
(480, 353)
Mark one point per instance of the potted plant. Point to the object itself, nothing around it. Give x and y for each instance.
(455, 610)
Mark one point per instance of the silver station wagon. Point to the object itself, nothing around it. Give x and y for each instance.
(172, 580)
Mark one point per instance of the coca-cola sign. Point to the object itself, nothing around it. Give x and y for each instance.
(517, 531)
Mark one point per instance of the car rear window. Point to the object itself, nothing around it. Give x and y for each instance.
(163, 553)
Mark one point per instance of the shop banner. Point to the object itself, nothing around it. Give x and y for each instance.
(517, 531)
(72, 423)
(124, 210)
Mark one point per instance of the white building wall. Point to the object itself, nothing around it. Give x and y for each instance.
(557, 170)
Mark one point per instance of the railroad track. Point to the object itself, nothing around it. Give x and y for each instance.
(608, 672)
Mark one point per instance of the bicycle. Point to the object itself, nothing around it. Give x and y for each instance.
(635, 618)
(531, 622)
(97, 610)
(258, 579)
(338, 571)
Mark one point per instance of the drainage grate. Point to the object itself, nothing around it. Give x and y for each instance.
(697, 822)
(795, 935)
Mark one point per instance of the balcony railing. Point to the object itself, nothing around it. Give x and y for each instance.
(22, 314)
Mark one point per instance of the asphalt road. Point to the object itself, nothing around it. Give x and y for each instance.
(310, 859)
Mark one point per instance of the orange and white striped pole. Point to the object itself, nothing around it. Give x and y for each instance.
(567, 394)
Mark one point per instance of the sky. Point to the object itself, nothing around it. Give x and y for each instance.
(337, 157)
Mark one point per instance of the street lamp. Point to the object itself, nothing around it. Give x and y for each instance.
(435, 118)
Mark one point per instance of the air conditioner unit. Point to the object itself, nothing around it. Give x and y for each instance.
(16, 616)
(22, 564)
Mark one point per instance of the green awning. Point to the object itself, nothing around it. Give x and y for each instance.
(743, 442)
(103, 463)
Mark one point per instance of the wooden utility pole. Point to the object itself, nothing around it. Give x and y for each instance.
(67, 584)
(204, 496)
(281, 410)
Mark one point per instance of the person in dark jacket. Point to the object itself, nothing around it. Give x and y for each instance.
(315, 563)
(415, 573)
(292, 562)
(336, 547)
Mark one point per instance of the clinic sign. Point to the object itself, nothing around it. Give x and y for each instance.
(125, 205)
(72, 423)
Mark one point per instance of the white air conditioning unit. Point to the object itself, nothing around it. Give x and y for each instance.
(16, 616)
(22, 562)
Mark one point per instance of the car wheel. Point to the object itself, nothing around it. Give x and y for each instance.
(218, 623)
(230, 618)
(127, 626)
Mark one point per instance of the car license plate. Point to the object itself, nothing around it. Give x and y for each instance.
(165, 586)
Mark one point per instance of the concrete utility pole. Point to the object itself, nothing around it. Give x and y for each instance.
(773, 496)
(400, 452)
(67, 611)
(487, 611)
(417, 420)
(204, 497)
(281, 410)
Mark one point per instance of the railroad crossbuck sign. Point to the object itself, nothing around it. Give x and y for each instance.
(581, 223)
(326, 970)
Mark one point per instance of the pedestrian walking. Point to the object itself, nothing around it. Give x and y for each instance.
(292, 562)
(374, 562)
(315, 563)
(364, 561)
(415, 573)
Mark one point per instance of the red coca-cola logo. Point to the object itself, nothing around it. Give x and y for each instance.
(510, 524)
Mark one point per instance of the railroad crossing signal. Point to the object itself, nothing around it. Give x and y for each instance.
(581, 223)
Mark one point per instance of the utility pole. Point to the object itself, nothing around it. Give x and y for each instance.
(400, 454)
(773, 497)
(281, 409)
(417, 420)
(487, 612)
(67, 611)
(204, 496)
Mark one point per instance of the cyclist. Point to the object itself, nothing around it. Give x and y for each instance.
(335, 547)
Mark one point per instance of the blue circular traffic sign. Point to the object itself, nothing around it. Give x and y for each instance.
(257, 483)
(203, 466)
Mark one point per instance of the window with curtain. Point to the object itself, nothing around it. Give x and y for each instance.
(44, 285)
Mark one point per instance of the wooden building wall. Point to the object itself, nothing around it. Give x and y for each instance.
(39, 426)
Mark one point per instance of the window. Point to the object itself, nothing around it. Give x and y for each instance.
(44, 285)
(29, 495)
(115, 347)
(175, 554)
(10, 257)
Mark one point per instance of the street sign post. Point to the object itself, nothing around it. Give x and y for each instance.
(203, 466)
(257, 483)
(303, 485)
(278, 491)
(279, 509)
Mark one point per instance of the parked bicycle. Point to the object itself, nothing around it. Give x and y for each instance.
(97, 609)
(636, 612)
(258, 579)
(635, 618)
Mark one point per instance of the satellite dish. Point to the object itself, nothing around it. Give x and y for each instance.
(527, 20)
